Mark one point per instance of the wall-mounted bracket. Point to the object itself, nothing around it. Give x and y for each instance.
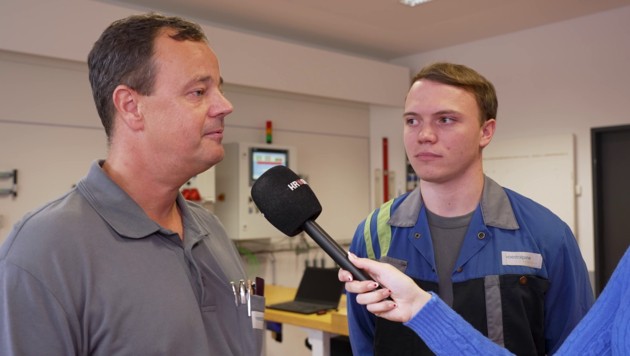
(9, 175)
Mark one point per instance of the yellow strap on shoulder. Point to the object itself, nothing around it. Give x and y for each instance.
(383, 230)
(367, 236)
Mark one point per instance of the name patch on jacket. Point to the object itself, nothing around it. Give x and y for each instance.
(528, 259)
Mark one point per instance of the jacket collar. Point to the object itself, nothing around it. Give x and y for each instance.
(495, 207)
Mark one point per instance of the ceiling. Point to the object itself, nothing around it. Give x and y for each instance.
(380, 29)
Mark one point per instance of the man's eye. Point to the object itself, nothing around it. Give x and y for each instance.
(198, 92)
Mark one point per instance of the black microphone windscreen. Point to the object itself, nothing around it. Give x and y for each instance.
(285, 199)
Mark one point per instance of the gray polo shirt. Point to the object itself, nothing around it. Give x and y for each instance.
(91, 274)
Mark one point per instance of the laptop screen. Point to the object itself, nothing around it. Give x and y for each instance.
(320, 285)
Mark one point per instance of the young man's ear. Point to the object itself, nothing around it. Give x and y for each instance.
(126, 103)
(487, 132)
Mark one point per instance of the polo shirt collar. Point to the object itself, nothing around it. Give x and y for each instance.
(495, 208)
(114, 205)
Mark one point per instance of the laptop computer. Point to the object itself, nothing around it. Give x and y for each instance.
(319, 290)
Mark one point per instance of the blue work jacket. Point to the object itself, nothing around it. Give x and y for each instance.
(519, 278)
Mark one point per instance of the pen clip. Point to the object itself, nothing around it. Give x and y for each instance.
(234, 292)
(249, 297)
(242, 291)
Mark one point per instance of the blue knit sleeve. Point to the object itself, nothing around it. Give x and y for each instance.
(447, 333)
(605, 329)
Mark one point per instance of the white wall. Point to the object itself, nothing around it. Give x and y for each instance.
(49, 130)
(563, 78)
(67, 29)
(386, 122)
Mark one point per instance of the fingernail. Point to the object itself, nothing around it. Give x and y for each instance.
(374, 285)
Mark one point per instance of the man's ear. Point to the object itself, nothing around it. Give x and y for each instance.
(487, 132)
(126, 103)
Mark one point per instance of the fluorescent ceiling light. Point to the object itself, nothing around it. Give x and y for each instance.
(413, 3)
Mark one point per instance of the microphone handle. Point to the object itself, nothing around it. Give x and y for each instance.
(332, 248)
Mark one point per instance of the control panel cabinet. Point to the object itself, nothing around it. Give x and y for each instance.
(235, 176)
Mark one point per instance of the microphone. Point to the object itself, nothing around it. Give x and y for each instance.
(289, 204)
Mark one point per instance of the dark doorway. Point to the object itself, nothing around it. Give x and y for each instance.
(611, 198)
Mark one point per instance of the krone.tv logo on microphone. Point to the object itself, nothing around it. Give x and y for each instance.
(296, 184)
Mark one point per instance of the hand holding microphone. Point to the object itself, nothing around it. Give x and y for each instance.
(290, 205)
(399, 299)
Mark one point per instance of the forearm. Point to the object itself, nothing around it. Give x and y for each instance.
(609, 316)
